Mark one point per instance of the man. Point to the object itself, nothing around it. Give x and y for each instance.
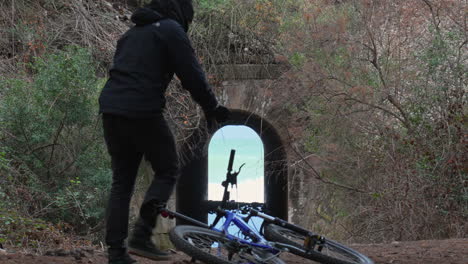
(132, 104)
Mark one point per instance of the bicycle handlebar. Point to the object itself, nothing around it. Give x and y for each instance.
(231, 160)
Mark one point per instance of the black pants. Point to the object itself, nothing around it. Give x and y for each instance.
(128, 141)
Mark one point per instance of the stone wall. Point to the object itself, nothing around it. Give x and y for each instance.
(258, 89)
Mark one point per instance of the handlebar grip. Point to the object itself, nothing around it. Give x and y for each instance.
(231, 159)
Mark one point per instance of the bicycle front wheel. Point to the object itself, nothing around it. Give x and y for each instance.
(215, 248)
(331, 252)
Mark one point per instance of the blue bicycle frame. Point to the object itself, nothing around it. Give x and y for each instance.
(233, 218)
(230, 218)
(257, 240)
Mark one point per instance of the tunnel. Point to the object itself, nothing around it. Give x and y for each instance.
(192, 187)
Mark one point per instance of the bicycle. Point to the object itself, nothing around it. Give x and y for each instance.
(212, 245)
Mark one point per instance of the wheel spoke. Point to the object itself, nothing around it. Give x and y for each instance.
(223, 248)
(339, 254)
(324, 248)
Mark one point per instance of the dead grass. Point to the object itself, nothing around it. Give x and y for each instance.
(31, 28)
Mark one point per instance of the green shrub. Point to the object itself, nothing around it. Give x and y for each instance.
(53, 142)
(211, 4)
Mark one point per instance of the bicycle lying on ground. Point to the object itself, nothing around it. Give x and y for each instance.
(211, 245)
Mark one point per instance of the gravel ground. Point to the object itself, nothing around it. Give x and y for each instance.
(453, 251)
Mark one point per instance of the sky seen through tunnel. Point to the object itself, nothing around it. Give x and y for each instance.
(249, 150)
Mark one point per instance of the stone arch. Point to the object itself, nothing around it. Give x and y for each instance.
(192, 187)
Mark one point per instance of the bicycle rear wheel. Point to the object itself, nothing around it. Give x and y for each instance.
(215, 248)
(331, 253)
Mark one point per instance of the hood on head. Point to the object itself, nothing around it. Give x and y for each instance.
(144, 16)
(186, 7)
(178, 10)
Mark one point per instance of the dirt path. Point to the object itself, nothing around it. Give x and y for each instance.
(454, 251)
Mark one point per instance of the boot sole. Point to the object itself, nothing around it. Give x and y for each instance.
(145, 254)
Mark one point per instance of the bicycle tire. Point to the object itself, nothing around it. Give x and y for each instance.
(335, 253)
(185, 239)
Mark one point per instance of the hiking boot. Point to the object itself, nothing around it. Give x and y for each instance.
(119, 256)
(140, 242)
(147, 249)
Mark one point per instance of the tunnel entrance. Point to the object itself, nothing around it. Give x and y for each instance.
(249, 151)
(193, 192)
(249, 154)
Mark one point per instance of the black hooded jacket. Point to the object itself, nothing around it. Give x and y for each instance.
(145, 61)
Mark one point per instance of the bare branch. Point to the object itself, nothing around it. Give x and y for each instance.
(317, 174)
